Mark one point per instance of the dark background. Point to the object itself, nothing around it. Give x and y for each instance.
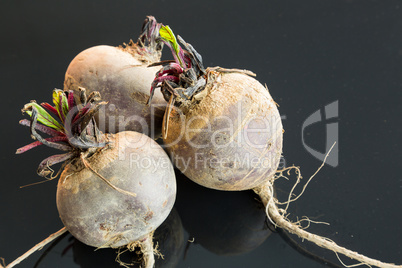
(310, 53)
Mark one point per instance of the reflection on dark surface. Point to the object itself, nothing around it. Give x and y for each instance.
(228, 223)
(225, 223)
(169, 237)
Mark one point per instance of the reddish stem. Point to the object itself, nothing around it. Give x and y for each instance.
(37, 143)
(42, 128)
(71, 101)
(61, 112)
(50, 108)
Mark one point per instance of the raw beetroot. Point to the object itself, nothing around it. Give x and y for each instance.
(226, 141)
(100, 216)
(115, 189)
(195, 132)
(222, 127)
(122, 76)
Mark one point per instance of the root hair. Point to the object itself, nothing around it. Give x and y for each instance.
(146, 249)
(278, 217)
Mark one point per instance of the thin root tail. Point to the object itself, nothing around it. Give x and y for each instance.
(37, 247)
(266, 194)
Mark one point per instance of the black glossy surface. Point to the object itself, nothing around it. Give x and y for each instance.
(310, 54)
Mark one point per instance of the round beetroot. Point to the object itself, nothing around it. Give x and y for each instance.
(231, 139)
(122, 76)
(221, 127)
(115, 189)
(100, 216)
(224, 132)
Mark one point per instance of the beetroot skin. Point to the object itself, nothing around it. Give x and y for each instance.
(100, 216)
(123, 78)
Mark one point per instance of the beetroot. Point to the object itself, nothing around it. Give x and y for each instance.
(229, 141)
(97, 214)
(123, 78)
(222, 127)
(224, 132)
(115, 189)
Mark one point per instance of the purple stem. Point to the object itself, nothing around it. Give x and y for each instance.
(50, 108)
(42, 128)
(35, 135)
(173, 68)
(71, 100)
(43, 169)
(82, 112)
(37, 143)
(158, 80)
(61, 116)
